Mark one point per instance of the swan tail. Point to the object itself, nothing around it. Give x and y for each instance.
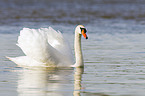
(25, 61)
(15, 60)
(12, 59)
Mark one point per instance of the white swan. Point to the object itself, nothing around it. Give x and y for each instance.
(47, 47)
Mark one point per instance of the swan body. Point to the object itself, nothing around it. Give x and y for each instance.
(47, 47)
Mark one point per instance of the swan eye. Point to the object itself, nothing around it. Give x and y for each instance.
(84, 29)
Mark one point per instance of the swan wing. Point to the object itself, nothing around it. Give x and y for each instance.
(56, 40)
(43, 45)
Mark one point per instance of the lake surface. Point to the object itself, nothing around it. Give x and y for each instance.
(114, 54)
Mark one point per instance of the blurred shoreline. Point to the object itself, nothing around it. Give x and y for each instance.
(69, 11)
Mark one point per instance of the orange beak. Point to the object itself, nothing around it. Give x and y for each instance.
(84, 34)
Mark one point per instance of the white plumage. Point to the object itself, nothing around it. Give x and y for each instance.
(43, 47)
(48, 48)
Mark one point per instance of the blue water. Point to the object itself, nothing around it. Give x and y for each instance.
(114, 54)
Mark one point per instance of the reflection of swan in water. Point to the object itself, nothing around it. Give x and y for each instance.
(53, 82)
(77, 81)
(42, 82)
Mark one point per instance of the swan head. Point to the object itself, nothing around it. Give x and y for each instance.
(81, 30)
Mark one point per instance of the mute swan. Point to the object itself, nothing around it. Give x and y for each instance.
(47, 47)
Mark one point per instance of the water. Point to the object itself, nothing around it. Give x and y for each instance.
(114, 54)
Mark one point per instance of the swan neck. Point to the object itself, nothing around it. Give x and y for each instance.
(78, 50)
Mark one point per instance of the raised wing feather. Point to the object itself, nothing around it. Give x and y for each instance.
(44, 45)
(59, 43)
